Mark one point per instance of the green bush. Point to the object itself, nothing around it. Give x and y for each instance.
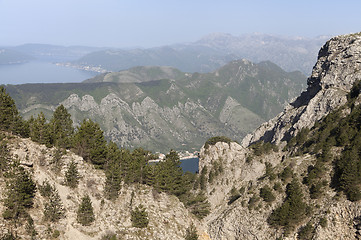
(53, 207)
(266, 194)
(234, 195)
(286, 174)
(213, 140)
(306, 232)
(259, 148)
(191, 233)
(323, 222)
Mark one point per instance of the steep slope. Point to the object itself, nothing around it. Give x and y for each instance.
(337, 68)
(164, 114)
(309, 190)
(168, 218)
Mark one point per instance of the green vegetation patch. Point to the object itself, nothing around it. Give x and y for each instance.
(213, 140)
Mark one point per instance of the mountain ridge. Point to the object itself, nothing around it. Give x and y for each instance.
(301, 149)
(183, 111)
(209, 53)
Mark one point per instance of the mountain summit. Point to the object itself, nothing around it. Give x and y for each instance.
(336, 70)
(297, 175)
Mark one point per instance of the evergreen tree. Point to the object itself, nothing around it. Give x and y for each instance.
(293, 209)
(170, 175)
(53, 208)
(39, 130)
(89, 142)
(10, 119)
(139, 217)
(113, 172)
(20, 192)
(198, 204)
(4, 155)
(85, 215)
(61, 127)
(139, 162)
(72, 175)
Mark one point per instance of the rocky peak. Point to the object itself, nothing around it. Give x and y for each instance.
(337, 68)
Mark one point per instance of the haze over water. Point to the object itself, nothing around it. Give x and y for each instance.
(41, 72)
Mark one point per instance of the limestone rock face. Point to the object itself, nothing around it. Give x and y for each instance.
(145, 123)
(337, 68)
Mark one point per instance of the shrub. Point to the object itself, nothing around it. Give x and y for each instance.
(323, 222)
(306, 232)
(213, 140)
(266, 194)
(234, 195)
(45, 189)
(259, 148)
(286, 173)
(191, 233)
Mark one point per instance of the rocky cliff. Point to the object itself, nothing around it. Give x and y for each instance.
(239, 210)
(337, 68)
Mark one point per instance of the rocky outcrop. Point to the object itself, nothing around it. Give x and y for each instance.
(337, 68)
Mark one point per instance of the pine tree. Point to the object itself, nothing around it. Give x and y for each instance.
(85, 215)
(20, 192)
(113, 172)
(10, 119)
(39, 130)
(292, 211)
(4, 155)
(89, 142)
(72, 175)
(139, 217)
(170, 175)
(61, 127)
(53, 208)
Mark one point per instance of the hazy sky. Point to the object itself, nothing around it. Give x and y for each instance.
(147, 23)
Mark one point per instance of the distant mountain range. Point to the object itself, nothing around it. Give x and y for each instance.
(212, 52)
(206, 55)
(159, 108)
